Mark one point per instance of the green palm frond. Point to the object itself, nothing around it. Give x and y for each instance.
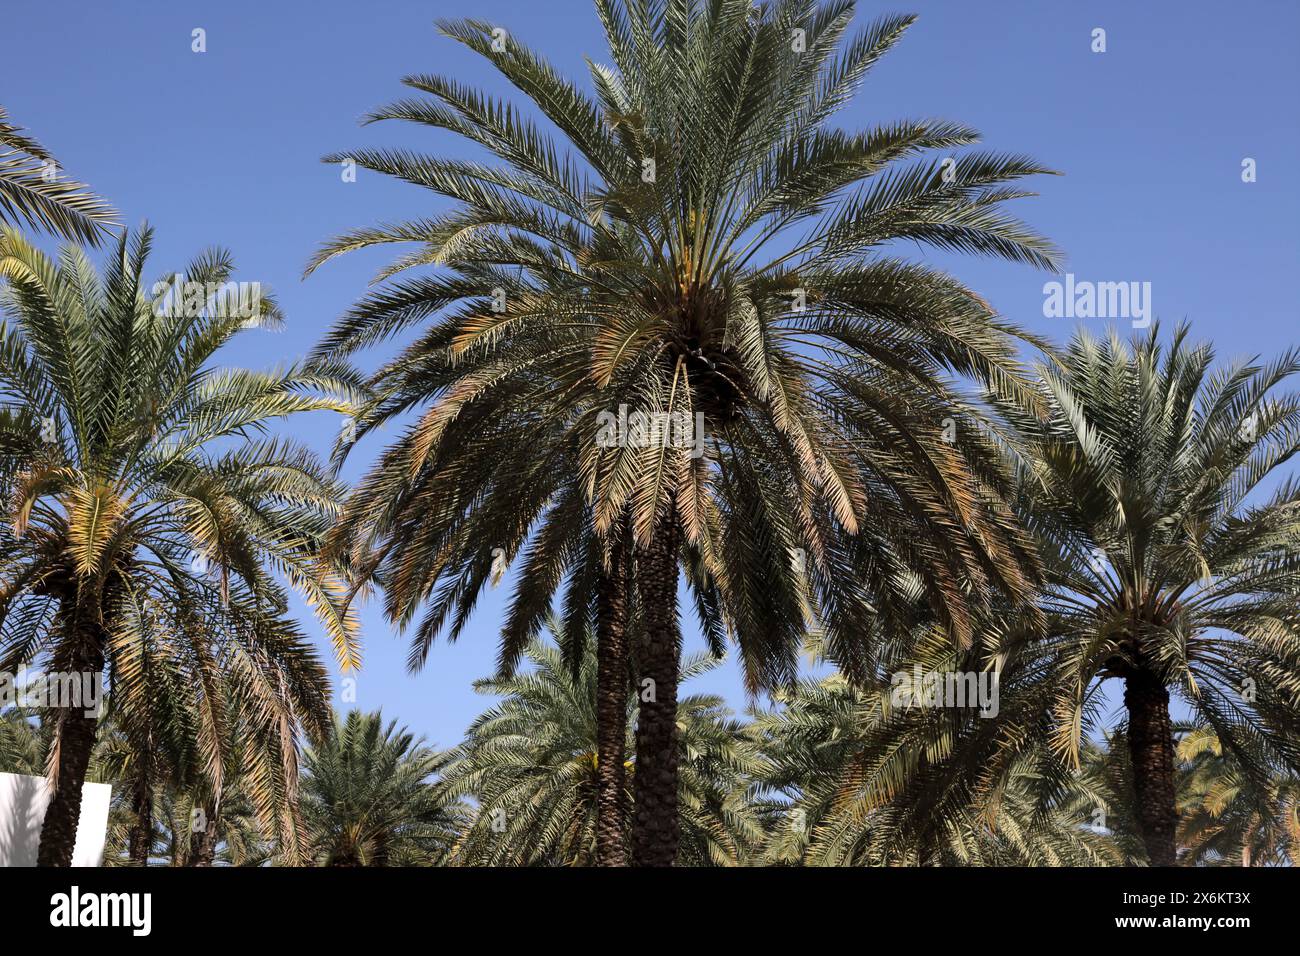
(32, 193)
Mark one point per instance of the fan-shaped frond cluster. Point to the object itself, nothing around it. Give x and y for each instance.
(645, 262)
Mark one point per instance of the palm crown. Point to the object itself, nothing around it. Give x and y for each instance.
(370, 798)
(569, 286)
(1171, 563)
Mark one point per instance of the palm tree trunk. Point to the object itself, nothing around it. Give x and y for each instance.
(655, 827)
(75, 740)
(203, 843)
(380, 856)
(141, 836)
(611, 712)
(1151, 752)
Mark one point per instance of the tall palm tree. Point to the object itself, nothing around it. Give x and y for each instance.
(707, 253)
(1172, 552)
(531, 764)
(369, 798)
(144, 522)
(32, 194)
(190, 809)
(141, 763)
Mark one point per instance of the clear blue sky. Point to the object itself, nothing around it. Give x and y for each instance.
(223, 148)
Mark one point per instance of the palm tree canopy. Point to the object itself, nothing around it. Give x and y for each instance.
(650, 259)
(129, 458)
(369, 797)
(1170, 544)
(856, 775)
(142, 499)
(1227, 817)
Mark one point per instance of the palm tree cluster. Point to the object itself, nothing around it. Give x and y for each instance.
(800, 784)
(149, 522)
(658, 345)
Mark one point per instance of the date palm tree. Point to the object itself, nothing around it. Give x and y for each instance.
(531, 765)
(145, 518)
(186, 807)
(370, 799)
(1172, 547)
(32, 194)
(706, 253)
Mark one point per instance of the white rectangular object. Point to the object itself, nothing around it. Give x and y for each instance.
(23, 801)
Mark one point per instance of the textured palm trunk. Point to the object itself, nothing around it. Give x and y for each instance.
(380, 856)
(611, 713)
(141, 837)
(1151, 752)
(75, 739)
(655, 827)
(203, 843)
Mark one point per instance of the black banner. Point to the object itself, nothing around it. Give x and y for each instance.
(220, 905)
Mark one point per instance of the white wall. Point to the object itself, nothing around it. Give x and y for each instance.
(23, 801)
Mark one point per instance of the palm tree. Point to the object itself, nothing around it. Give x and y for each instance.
(531, 764)
(140, 763)
(184, 836)
(655, 265)
(1171, 564)
(144, 523)
(191, 809)
(31, 193)
(1225, 816)
(369, 798)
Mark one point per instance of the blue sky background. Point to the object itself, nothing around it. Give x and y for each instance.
(224, 147)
